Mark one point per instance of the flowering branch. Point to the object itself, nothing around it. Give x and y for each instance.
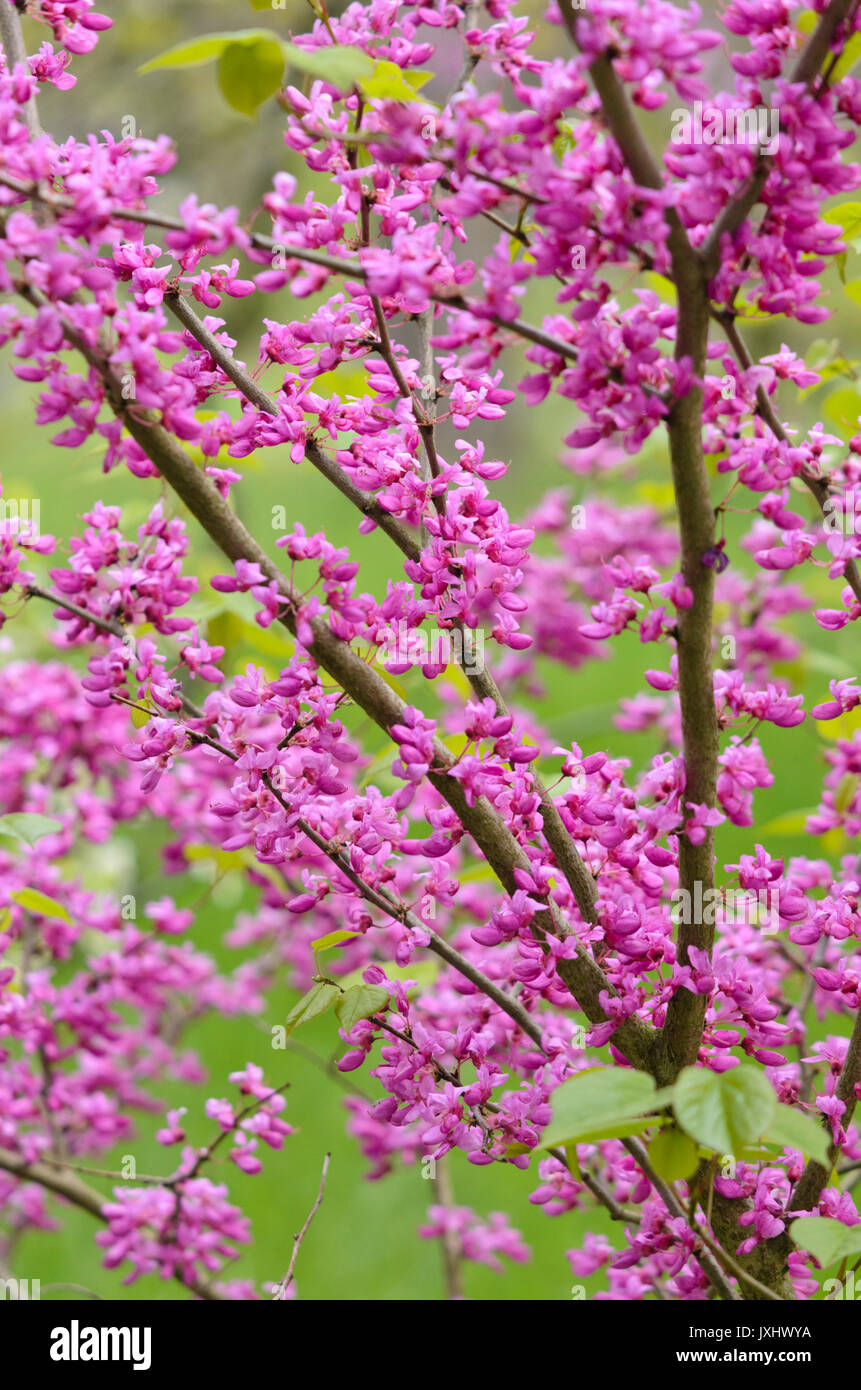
(80, 1194)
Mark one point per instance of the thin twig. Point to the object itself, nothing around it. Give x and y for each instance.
(281, 1292)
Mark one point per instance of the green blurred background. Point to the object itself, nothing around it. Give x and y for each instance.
(363, 1243)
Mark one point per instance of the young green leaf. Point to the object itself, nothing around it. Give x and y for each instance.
(204, 49)
(673, 1155)
(250, 73)
(338, 64)
(826, 1239)
(794, 1130)
(598, 1101)
(361, 1001)
(334, 938)
(140, 717)
(28, 826)
(34, 901)
(320, 997)
(724, 1110)
(392, 83)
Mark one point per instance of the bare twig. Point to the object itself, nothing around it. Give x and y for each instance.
(281, 1292)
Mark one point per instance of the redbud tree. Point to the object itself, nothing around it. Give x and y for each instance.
(530, 954)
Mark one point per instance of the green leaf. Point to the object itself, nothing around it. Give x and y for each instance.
(225, 860)
(725, 1110)
(204, 49)
(846, 792)
(361, 1001)
(598, 1101)
(792, 1129)
(848, 58)
(334, 938)
(141, 717)
(853, 289)
(848, 218)
(673, 1155)
(34, 901)
(389, 82)
(808, 22)
(663, 288)
(790, 823)
(340, 65)
(27, 826)
(826, 1239)
(250, 73)
(319, 998)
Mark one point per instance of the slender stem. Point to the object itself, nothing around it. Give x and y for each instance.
(583, 977)
(337, 264)
(103, 624)
(666, 1192)
(281, 1292)
(449, 1243)
(364, 502)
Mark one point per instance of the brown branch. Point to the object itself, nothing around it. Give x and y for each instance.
(480, 679)
(449, 1242)
(677, 1044)
(364, 502)
(339, 266)
(104, 624)
(281, 1292)
(80, 1194)
(666, 1192)
(381, 898)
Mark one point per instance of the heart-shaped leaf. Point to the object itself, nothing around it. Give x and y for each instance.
(826, 1239)
(724, 1110)
(27, 826)
(673, 1155)
(319, 998)
(597, 1103)
(361, 1001)
(204, 49)
(34, 901)
(250, 73)
(795, 1130)
(338, 64)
